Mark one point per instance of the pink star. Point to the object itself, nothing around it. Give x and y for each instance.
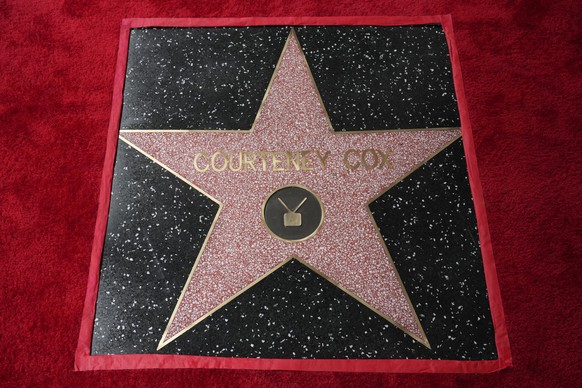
(239, 250)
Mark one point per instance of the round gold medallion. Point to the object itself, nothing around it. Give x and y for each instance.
(292, 213)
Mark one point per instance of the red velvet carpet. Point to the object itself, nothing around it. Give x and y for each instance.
(522, 77)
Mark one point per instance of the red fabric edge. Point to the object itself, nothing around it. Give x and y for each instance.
(284, 21)
(84, 360)
(85, 334)
(157, 361)
(493, 291)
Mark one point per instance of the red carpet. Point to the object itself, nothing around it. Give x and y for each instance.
(522, 76)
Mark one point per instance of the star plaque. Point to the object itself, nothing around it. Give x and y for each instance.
(284, 196)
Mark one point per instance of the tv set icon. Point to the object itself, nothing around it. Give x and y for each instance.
(292, 219)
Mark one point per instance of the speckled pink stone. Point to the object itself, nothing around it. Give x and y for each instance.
(347, 248)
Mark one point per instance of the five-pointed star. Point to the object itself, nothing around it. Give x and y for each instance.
(239, 250)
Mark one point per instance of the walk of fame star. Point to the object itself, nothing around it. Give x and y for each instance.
(347, 249)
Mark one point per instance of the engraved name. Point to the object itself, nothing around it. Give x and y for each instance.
(307, 160)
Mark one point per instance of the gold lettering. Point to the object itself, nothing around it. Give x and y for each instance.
(196, 162)
(240, 162)
(213, 161)
(347, 162)
(277, 161)
(263, 155)
(248, 161)
(322, 158)
(295, 160)
(369, 166)
(304, 161)
(383, 158)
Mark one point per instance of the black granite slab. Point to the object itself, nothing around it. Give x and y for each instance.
(382, 77)
(215, 78)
